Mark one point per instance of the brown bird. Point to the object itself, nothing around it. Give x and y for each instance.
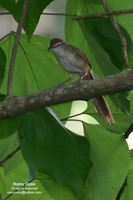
(75, 61)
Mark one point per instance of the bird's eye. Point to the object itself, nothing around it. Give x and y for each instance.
(57, 45)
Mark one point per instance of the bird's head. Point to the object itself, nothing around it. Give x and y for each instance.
(55, 43)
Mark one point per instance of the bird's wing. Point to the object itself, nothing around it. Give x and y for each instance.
(81, 55)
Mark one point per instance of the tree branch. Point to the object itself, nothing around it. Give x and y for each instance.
(97, 15)
(84, 90)
(59, 14)
(121, 36)
(15, 47)
(9, 156)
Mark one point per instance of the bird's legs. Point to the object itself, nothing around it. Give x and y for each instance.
(62, 83)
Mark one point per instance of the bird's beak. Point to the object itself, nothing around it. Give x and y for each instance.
(48, 48)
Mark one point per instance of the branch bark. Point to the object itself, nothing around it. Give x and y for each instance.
(15, 47)
(84, 90)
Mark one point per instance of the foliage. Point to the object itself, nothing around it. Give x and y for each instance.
(62, 164)
(35, 9)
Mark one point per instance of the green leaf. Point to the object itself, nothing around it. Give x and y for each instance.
(101, 37)
(124, 102)
(124, 20)
(2, 184)
(7, 126)
(48, 147)
(110, 158)
(56, 191)
(15, 169)
(35, 9)
(121, 101)
(20, 174)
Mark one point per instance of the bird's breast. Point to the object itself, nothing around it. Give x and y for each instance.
(71, 63)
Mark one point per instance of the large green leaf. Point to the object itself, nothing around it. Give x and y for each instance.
(48, 147)
(35, 9)
(15, 169)
(110, 158)
(57, 192)
(101, 37)
(7, 126)
(126, 19)
(20, 174)
(32, 65)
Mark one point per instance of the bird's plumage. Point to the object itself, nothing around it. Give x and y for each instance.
(75, 61)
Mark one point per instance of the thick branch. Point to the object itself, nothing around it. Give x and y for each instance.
(120, 34)
(83, 90)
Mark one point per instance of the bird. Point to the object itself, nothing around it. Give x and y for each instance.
(74, 61)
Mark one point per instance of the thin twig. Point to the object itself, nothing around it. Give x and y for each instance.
(5, 13)
(59, 14)
(9, 156)
(122, 190)
(15, 47)
(76, 115)
(129, 130)
(45, 13)
(5, 36)
(69, 117)
(97, 15)
(121, 36)
(75, 120)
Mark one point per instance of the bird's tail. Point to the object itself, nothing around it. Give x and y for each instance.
(101, 105)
